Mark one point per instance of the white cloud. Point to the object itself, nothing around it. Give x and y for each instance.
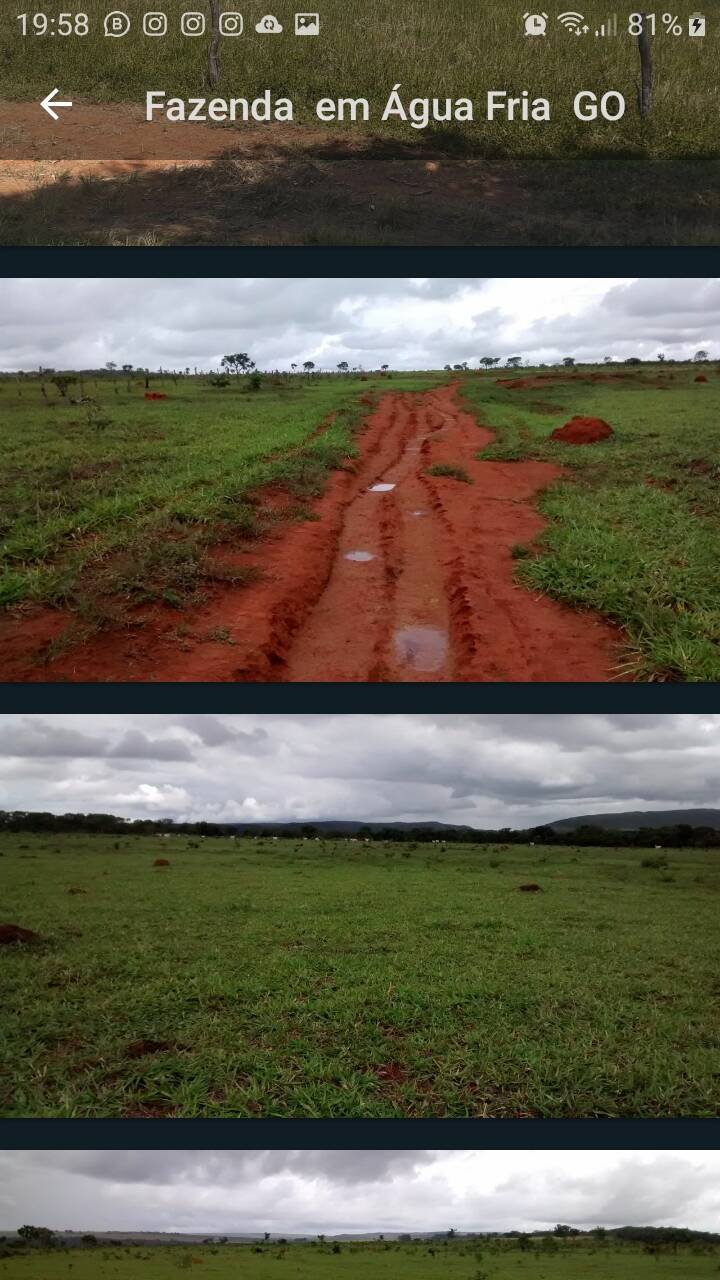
(486, 770)
(340, 1191)
(410, 323)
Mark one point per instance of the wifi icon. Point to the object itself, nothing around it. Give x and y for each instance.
(571, 21)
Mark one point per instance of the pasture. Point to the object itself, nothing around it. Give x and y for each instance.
(461, 1259)
(635, 524)
(299, 978)
(127, 509)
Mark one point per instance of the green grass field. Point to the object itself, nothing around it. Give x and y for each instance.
(335, 979)
(635, 530)
(129, 511)
(460, 1260)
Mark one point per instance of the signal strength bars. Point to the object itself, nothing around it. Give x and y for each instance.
(608, 28)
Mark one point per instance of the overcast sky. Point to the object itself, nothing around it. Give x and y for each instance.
(339, 1191)
(409, 324)
(491, 770)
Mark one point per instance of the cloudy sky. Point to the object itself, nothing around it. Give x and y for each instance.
(340, 1191)
(488, 770)
(408, 323)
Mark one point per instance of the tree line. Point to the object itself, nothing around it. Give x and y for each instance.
(678, 836)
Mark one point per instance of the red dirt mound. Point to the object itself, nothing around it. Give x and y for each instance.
(161, 862)
(539, 380)
(155, 395)
(583, 431)
(10, 933)
(529, 888)
(701, 378)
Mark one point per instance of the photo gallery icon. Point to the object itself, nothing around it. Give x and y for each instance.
(307, 24)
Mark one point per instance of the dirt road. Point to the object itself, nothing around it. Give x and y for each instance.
(402, 576)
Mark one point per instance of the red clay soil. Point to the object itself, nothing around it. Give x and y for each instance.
(430, 596)
(161, 862)
(701, 378)
(540, 380)
(583, 431)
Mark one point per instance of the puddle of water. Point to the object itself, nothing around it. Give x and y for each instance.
(422, 648)
(381, 488)
(361, 556)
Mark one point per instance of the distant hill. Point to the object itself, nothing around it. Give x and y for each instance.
(635, 820)
(343, 826)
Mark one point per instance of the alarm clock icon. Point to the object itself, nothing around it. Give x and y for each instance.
(535, 24)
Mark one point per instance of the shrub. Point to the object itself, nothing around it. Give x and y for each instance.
(450, 472)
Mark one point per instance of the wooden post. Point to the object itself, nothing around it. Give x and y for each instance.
(645, 88)
(213, 67)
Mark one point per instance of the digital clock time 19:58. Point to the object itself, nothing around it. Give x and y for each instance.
(42, 24)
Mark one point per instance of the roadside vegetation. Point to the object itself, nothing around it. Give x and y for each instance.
(261, 977)
(109, 499)
(634, 527)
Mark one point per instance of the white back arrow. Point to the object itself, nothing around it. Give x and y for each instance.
(46, 104)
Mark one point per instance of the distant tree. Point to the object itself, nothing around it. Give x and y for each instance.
(608, 360)
(40, 1236)
(127, 368)
(661, 357)
(700, 357)
(569, 362)
(448, 368)
(633, 360)
(238, 363)
(343, 366)
(489, 361)
(293, 367)
(308, 366)
(89, 1239)
(111, 366)
(62, 381)
(384, 368)
(514, 362)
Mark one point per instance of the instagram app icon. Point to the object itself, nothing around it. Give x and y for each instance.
(192, 24)
(231, 24)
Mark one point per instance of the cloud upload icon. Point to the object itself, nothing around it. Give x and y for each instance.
(269, 26)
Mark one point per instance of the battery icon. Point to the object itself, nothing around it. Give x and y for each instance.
(697, 25)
